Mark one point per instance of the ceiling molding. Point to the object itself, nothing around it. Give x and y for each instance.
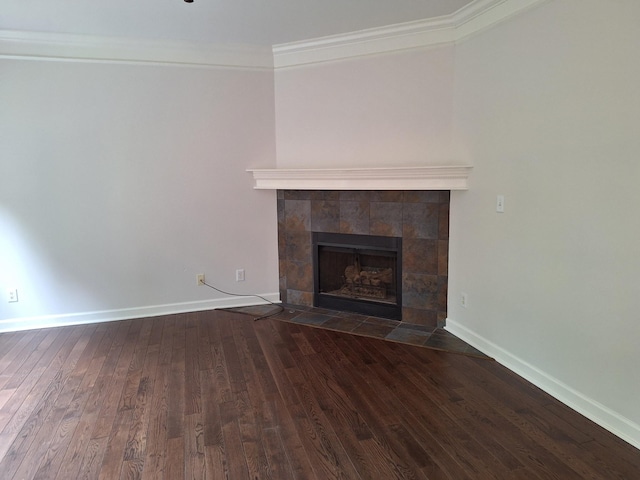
(476, 17)
(448, 29)
(115, 49)
(404, 36)
(483, 14)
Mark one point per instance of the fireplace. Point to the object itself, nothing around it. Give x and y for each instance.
(358, 273)
(419, 218)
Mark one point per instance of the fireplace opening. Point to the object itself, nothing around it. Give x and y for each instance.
(358, 273)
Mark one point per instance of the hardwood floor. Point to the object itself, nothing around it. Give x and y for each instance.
(217, 395)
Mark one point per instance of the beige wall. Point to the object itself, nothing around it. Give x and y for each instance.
(120, 182)
(389, 110)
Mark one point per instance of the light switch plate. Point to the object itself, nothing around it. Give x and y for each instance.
(12, 295)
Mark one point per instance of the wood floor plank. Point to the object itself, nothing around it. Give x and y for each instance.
(85, 372)
(445, 393)
(547, 445)
(90, 398)
(193, 395)
(50, 414)
(114, 452)
(231, 355)
(37, 390)
(175, 464)
(205, 357)
(90, 467)
(467, 451)
(273, 423)
(234, 454)
(297, 457)
(276, 454)
(532, 453)
(5, 395)
(327, 442)
(134, 368)
(254, 411)
(7, 341)
(319, 465)
(215, 462)
(341, 416)
(16, 352)
(223, 385)
(136, 444)
(377, 401)
(249, 416)
(384, 413)
(24, 369)
(119, 410)
(194, 450)
(115, 379)
(176, 411)
(156, 440)
(216, 395)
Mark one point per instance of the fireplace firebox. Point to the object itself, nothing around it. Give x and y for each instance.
(358, 273)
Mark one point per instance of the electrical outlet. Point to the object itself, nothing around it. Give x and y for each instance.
(464, 301)
(240, 275)
(500, 204)
(12, 295)
(200, 279)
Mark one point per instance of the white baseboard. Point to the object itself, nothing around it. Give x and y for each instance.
(48, 321)
(593, 410)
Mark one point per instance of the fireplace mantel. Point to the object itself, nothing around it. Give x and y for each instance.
(378, 178)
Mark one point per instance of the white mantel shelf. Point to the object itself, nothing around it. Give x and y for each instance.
(384, 178)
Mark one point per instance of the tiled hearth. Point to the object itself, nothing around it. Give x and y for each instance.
(421, 218)
(355, 324)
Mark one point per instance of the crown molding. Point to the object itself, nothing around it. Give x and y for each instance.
(92, 48)
(476, 17)
(439, 177)
(445, 30)
(484, 14)
(403, 36)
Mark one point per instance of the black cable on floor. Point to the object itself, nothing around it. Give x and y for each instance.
(281, 308)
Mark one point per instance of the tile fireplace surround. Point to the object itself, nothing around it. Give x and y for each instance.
(420, 217)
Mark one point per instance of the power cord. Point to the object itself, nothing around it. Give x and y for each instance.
(281, 308)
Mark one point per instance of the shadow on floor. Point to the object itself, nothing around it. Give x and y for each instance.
(392, 330)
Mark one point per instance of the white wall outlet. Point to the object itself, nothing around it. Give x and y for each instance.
(240, 275)
(500, 204)
(12, 295)
(464, 300)
(200, 278)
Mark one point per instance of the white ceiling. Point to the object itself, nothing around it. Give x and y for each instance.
(256, 22)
